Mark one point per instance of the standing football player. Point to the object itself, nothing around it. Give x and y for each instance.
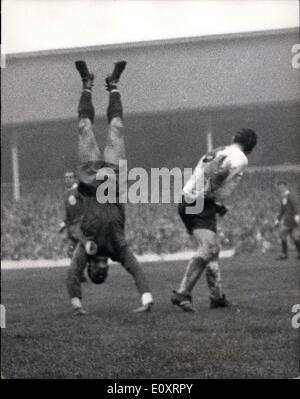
(73, 202)
(216, 175)
(103, 222)
(287, 221)
(73, 211)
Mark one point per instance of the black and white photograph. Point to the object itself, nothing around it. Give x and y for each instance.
(150, 211)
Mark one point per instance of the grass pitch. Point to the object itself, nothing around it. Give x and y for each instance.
(43, 339)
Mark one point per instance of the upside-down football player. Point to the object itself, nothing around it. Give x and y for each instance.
(103, 222)
(216, 175)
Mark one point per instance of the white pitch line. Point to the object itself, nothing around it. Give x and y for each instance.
(48, 263)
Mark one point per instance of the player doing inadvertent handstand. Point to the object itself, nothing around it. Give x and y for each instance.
(103, 222)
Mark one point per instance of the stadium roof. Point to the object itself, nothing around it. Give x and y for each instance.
(162, 76)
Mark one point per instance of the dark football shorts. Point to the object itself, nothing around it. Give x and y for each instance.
(207, 219)
(105, 224)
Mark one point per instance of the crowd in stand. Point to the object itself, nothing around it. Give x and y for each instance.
(30, 226)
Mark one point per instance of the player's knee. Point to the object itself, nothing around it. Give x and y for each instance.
(85, 126)
(208, 251)
(116, 126)
(212, 268)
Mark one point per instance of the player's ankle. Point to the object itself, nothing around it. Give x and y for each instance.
(147, 298)
(87, 84)
(76, 303)
(111, 87)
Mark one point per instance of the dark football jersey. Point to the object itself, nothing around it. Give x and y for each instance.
(288, 210)
(73, 205)
(103, 221)
(217, 174)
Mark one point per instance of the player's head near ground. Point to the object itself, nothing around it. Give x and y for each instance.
(70, 178)
(246, 139)
(98, 269)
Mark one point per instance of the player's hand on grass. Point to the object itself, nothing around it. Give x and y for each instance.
(276, 223)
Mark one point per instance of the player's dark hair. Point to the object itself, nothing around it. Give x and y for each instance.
(281, 183)
(246, 138)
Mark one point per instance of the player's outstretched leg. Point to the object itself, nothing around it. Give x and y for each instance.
(213, 277)
(115, 145)
(78, 264)
(183, 296)
(88, 149)
(207, 250)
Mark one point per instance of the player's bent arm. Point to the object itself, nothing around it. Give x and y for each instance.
(194, 187)
(228, 172)
(216, 170)
(219, 178)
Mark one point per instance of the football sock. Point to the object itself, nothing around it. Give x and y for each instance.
(213, 277)
(132, 265)
(114, 109)
(85, 107)
(297, 244)
(193, 273)
(284, 247)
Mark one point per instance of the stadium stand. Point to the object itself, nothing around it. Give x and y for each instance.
(30, 226)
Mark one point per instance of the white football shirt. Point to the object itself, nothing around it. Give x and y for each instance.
(229, 161)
